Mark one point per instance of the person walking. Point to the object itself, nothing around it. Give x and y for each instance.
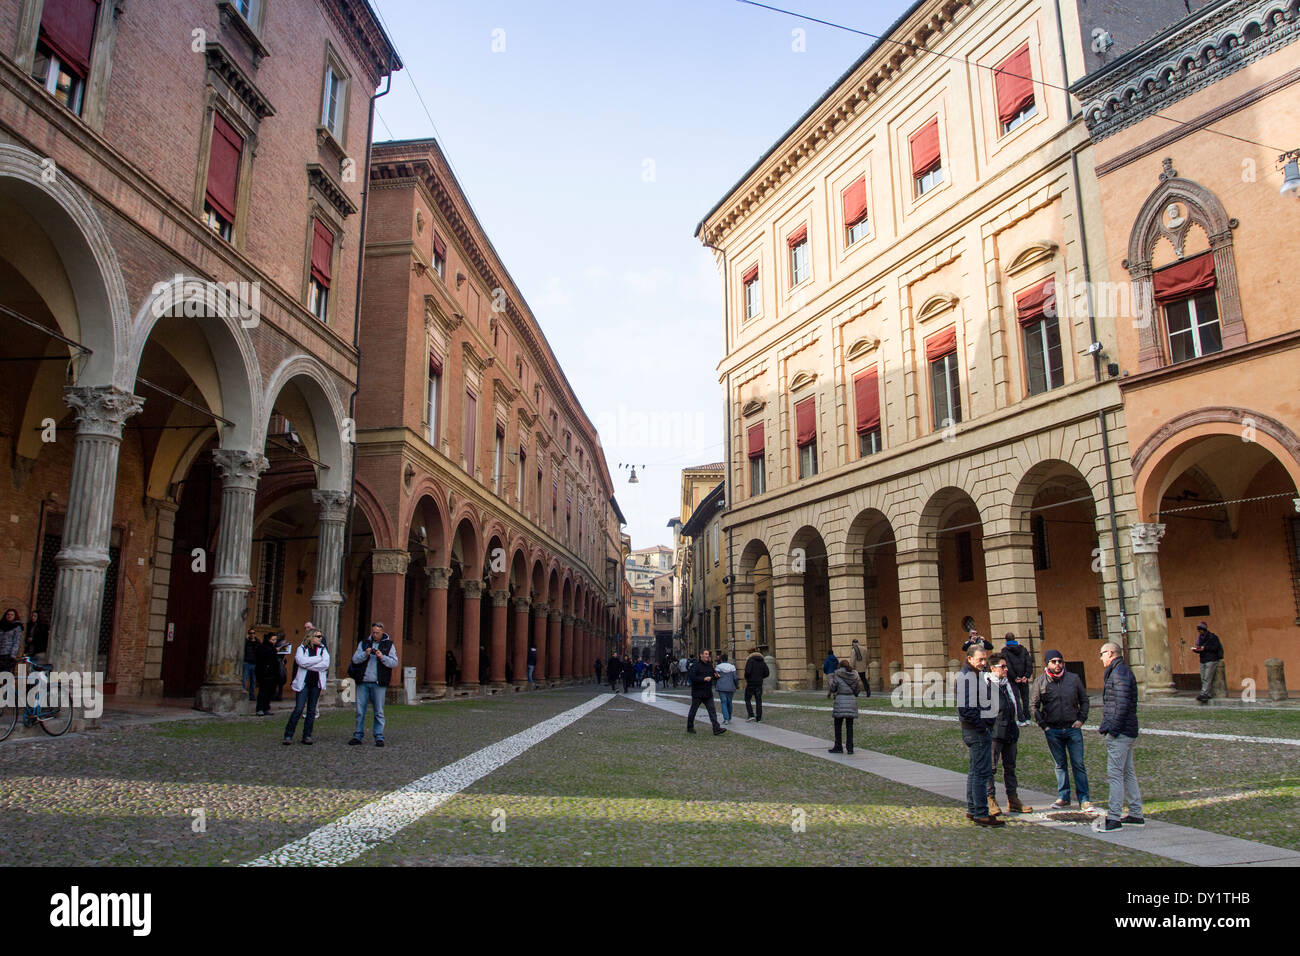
(282, 651)
(598, 669)
(612, 672)
(250, 662)
(372, 668)
(976, 734)
(844, 686)
(830, 665)
(728, 684)
(756, 671)
(453, 669)
(1119, 729)
(532, 663)
(1059, 704)
(1210, 649)
(313, 666)
(627, 671)
(267, 672)
(860, 667)
(1006, 736)
(11, 640)
(672, 671)
(703, 676)
(1020, 671)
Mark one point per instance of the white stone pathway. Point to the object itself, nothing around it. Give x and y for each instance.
(355, 833)
(1169, 840)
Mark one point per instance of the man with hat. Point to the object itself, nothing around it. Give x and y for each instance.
(1210, 648)
(1059, 704)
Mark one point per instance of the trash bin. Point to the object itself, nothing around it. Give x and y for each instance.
(408, 678)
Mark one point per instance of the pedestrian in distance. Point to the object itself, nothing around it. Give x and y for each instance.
(1020, 671)
(703, 676)
(1006, 737)
(453, 669)
(268, 672)
(843, 687)
(627, 672)
(1119, 729)
(860, 667)
(372, 669)
(532, 663)
(250, 662)
(598, 669)
(673, 672)
(11, 640)
(976, 734)
(728, 684)
(38, 637)
(830, 665)
(1210, 649)
(756, 671)
(612, 672)
(313, 666)
(1059, 704)
(282, 651)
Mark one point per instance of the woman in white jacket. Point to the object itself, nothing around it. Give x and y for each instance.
(313, 660)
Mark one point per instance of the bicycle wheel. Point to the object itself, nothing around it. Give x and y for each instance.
(8, 720)
(55, 721)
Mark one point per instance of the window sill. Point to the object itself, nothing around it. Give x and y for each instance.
(232, 19)
(327, 141)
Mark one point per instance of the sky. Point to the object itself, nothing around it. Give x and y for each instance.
(591, 138)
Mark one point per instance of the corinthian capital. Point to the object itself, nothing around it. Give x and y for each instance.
(1146, 537)
(235, 465)
(333, 504)
(101, 409)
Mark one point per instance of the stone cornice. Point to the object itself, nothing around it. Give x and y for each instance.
(333, 193)
(1217, 40)
(223, 65)
(364, 36)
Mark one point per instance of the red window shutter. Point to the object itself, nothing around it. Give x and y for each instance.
(866, 399)
(798, 236)
(1037, 303)
(435, 364)
(223, 167)
(322, 250)
(855, 202)
(756, 440)
(805, 418)
(68, 27)
(1014, 83)
(439, 247)
(471, 427)
(750, 275)
(555, 496)
(1185, 279)
(940, 344)
(925, 149)
(568, 506)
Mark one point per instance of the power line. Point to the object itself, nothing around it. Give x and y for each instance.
(966, 61)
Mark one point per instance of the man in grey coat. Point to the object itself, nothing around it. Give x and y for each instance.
(1119, 729)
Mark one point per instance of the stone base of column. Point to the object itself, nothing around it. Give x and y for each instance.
(498, 687)
(224, 699)
(435, 689)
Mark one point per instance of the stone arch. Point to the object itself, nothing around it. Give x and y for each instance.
(425, 495)
(327, 413)
(376, 515)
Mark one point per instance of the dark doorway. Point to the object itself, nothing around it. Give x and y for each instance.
(189, 592)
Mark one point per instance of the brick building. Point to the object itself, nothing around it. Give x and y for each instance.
(179, 234)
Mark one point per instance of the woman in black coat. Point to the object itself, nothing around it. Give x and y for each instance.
(268, 673)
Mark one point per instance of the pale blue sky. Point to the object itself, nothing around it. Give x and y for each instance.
(590, 148)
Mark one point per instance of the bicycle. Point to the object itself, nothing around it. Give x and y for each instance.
(55, 721)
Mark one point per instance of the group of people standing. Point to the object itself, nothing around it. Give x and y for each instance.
(265, 671)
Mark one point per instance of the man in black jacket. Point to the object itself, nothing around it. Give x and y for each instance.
(973, 713)
(1006, 737)
(1020, 671)
(1060, 706)
(756, 671)
(1210, 648)
(1119, 729)
(702, 679)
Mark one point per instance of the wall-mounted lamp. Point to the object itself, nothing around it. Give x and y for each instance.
(1291, 176)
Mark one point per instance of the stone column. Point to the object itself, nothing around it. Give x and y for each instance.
(789, 645)
(469, 634)
(848, 609)
(1154, 672)
(520, 674)
(435, 637)
(497, 651)
(83, 559)
(920, 607)
(553, 645)
(539, 642)
(239, 471)
(388, 593)
(1013, 593)
(328, 596)
(566, 648)
(739, 602)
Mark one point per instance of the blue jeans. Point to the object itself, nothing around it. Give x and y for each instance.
(530, 672)
(1061, 741)
(305, 701)
(250, 677)
(980, 744)
(373, 695)
(726, 696)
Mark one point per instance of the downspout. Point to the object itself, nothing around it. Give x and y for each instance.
(726, 417)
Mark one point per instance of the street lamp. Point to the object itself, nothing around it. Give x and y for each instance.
(1291, 176)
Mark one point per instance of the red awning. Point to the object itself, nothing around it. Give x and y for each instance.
(805, 417)
(750, 275)
(855, 202)
(223, 167)
(68, 27)
(925, 149)
(1037, 303)
(435, 364)
(1014, 82)
(940, 344)
(439, 247)
(1185, 279)
(798, 236)
(322, 250)
(756, 439)
(866, 399)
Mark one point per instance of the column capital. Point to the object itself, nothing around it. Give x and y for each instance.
(540, 607)
(555, 617)
(101, 409)
(389, 562)
(787, 580)
(522, 604)
(333, 504)
(500, 597)
(568, 620)
(1008, 539)
(472, 588)
(1146, 537)
(847, 569)
(438, 577)
(238, 467)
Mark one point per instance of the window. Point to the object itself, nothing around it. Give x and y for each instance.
(806, 436)
(270, 582)
(757, 461)
(945, 383)
(333, 102)
(322, 252)
(798, 243)
(717, 530)
(1094, 624)
(471, 427)
(63, 49)
(498, 459)
(439, 256)
(432, 400)
(965, 557)
(1013, 81)
(1186, 293)
(855, 211)
(247, 9)
(223, 177)
(519, 477)
(1038, 533)
(927, 163)
(753, 298)
(1036, 313)
(866, 399)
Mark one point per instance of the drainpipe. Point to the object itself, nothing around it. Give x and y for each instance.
(726, 418)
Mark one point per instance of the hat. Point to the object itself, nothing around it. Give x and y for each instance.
(1050, 656)
(1202, 627)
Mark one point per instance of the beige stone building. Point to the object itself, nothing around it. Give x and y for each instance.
(925, 431)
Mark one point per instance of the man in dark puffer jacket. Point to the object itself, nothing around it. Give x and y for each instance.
(1020, 671)
(1119, 729)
